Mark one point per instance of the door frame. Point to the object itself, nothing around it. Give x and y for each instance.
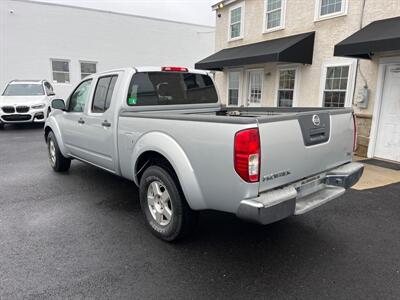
(384, 63)
(247, 85)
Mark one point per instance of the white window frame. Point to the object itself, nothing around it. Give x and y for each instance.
(319, 17)
(52, 71)
(283, 15)
(240, 89)
(341, 62)
(87, 62)
(242, 13)
(296, 68)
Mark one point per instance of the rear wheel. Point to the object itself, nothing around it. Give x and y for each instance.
(167, 213)
(58, 162)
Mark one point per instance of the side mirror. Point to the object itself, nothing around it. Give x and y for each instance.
(51, 93)
(58, 104)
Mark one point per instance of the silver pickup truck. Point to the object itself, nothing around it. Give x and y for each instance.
(165, 129)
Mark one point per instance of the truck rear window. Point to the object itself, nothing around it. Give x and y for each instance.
(170, 88)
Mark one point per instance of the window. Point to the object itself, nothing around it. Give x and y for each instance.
(274, 14)
(330, 8)
(236, 14)
(79, 97)
(88, 68)
(233, 88)
(170, 88)
(336, 86)
(103, 93)
(23, 89)
(286, 87)
(48, 88)
(60, 71)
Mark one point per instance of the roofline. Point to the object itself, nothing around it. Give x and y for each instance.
(223, 2)
(111, 12)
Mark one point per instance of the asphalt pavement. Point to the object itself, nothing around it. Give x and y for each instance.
(82, 235)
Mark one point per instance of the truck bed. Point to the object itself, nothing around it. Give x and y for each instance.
(291, 147)
(237, 115)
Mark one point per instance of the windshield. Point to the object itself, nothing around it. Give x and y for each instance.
(24, 89)
(169, 88)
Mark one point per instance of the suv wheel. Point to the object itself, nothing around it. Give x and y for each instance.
(167, 213)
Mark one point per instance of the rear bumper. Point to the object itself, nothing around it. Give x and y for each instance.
(300, 197)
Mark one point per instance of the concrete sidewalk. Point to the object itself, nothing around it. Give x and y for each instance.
(375, 176)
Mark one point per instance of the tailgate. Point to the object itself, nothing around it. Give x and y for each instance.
(302, 145)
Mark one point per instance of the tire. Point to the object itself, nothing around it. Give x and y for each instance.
(58, 162)
(166, 200)
(1, 126)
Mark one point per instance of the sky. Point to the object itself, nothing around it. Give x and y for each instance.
(191, 11)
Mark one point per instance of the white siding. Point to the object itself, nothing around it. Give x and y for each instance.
(34, 33)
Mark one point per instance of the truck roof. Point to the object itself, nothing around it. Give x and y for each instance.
(160, 69)
(152, 69)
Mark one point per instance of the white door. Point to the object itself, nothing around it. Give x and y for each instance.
(255, 85)
(388, 138)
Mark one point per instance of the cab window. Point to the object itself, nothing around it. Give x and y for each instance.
(103, 93)
(170, 88)
(80, 96)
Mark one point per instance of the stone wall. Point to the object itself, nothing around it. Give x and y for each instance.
(363, 133)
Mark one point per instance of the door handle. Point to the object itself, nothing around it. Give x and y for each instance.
(81, 121)
(106, 124)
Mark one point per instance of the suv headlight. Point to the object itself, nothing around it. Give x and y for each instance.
(38, 106)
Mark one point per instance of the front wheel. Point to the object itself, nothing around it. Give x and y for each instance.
(167, 213)
(58, 162)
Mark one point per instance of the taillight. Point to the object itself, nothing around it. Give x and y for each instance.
(355, 132)
(247, 154)
(174, 69)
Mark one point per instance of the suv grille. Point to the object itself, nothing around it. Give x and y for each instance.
(16, 118)
(8, 109)
(22, 109)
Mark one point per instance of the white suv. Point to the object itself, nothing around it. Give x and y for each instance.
(25, 101)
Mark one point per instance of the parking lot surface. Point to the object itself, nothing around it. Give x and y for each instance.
(81, 234)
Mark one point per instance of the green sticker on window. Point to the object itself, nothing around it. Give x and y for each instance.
(132, 101)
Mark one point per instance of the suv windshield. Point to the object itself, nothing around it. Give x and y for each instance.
(24, 89)
(169, 88)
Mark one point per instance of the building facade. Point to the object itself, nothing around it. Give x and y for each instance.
(371, 85)
(62, 44)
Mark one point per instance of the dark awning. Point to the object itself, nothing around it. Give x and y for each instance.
(383, 35)
(295, 49)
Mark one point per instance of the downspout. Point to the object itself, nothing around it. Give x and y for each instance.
(358, 67)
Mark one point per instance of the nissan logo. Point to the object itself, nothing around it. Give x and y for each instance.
(316, 120)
